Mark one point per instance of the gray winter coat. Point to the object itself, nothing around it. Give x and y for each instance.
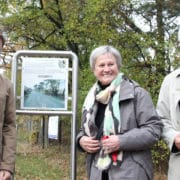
(140, 129)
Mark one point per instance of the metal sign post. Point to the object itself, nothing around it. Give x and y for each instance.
(72, 96)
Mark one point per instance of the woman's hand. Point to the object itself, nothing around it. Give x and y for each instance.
(89, 144)
(177, 141)
(110, 143)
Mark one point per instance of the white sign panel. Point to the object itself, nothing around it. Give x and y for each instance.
(44, 83)
(53, 127)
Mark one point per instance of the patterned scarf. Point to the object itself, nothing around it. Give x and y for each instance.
(112, 120)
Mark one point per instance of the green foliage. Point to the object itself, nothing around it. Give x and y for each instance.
(86, 80)
(176, 63)
(160, 153)
(82, 25)
(33, 137)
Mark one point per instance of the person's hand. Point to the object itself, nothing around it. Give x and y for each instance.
(110, 143)
(5, 175)
(89, 144)
(177, 141)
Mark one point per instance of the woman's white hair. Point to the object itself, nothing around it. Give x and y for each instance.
(103, 50)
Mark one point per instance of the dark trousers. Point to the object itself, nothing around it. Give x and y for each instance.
(105, 175)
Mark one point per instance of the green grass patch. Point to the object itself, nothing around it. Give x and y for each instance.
(34, 162)
(35, 167)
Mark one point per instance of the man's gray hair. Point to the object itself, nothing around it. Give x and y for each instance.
(103, 50)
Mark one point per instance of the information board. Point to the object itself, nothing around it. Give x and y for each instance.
(44, 83)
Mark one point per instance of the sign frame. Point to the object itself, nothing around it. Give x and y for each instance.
(16, 60)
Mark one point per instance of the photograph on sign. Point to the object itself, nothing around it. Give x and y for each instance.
(44, 83)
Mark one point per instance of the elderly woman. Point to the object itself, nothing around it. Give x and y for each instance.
(119, 123)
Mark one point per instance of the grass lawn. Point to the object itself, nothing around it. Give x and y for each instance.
(36, 163)
(52, 163)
